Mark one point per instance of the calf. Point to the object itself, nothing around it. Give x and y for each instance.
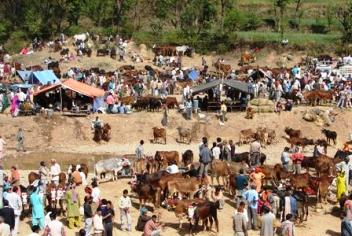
(293, 133)
(189, 186)
(165, 158)
(330, 135)
(159, 133)
(181, 207)
(220, 169)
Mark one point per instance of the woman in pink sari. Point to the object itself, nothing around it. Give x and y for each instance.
(14, 106)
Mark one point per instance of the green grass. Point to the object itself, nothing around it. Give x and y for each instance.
(294, 38)
(322, 2)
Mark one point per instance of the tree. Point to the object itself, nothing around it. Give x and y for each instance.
(282, 5)
(344, 15)
(74, 8)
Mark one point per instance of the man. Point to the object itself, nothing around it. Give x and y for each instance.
(252, 198)
(55, 170)
(288, 227)
(256, 177)
(152, 227)
(88, 215)
(4, 228)
(267, 228)
(139, 156)
(110, 101)
(285, 158)
(241, 183)
(254, 151)
(54, 227)
(108, 214)
(2, 148)
(297, 159)
(36, 202)
(223, 111)
(215, 151)
(97, 123)
(125, 205)
(20, 140)
(72, 207)
(239, 221)
(44, 174)
(8, 215)
(76, 177)
(205, 160)
(15, 202)
(98, 223)
(188, 105)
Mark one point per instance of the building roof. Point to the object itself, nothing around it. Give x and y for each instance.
(83, 88)
(204, 87)
(44, 77)
(46, 88)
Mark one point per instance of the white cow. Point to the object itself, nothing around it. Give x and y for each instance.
(112, 166)
(182, 49)
(82, 37)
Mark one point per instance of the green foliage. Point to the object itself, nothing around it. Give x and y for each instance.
(345, 17)
(234, 20)
(16, 42)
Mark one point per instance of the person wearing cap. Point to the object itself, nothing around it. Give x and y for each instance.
(142, 219)
(55, 170)
(72, 206)
(252, 197)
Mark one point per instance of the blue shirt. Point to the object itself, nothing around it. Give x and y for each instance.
(252, 198)
(241, 182)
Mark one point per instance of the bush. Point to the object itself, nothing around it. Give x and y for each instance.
(234, 20)
(270, 22)
(294, 24)
(74, 29)
(253, 22)
(16, 42)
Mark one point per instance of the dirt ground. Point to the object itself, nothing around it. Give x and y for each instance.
(69, 140)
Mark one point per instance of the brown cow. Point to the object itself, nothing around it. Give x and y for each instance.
(300, 141)
(246, 136)
(146, 192)
(185, 135)
(165, 158)
(300, 181)
(220, 169)
(325, 165)
(186, 185)
(222, 67)
(321, 186)
(181, 207)
(171, 102)
(159, 133)
(32, 176)
(247, 58)
(293, 133)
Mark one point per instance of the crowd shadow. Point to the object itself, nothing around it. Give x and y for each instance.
(332, 233)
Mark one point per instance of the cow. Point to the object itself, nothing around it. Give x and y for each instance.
(181, 207)
(164, 181)
(159, 133)
(185, 135)
(330, 135)
(187, 158)
(246, 136)
(171, 102)
(129, 100)
(321, 186)
(188, 186)
(226, 69)
(300, 181)
(165, 158)
(244, 157)
(247, 58)
(111, 165)
(154, 104)
(83, 37)
(145, 192)
(301, 142)
(325, 165)
(220, 169)
(142, 103)
(206, 211)
(293, 133)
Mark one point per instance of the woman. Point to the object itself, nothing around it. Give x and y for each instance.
(341, 185)
(142, 219)
(15, 104)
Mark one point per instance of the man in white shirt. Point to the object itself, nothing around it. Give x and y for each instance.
(55, 171)
(21, 96)
(216, 151)
(2, 144)
(95, 193)
(125, 205)
(15, 202)
(54, 227)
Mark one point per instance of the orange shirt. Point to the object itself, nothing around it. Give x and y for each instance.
(76, 177)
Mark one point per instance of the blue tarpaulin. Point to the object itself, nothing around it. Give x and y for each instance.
(44, 77)
(24, 75)
(193, 75)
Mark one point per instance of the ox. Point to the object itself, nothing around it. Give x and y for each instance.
(112, 165)
(165, 158)
(188, 186)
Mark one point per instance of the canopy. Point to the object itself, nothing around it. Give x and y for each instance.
(44, 77)
(20, 86)
(83, 88)
(46, 88)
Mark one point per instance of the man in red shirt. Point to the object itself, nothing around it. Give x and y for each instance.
(152, 227)
(297, 159)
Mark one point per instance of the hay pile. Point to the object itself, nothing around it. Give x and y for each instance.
(262, 105)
